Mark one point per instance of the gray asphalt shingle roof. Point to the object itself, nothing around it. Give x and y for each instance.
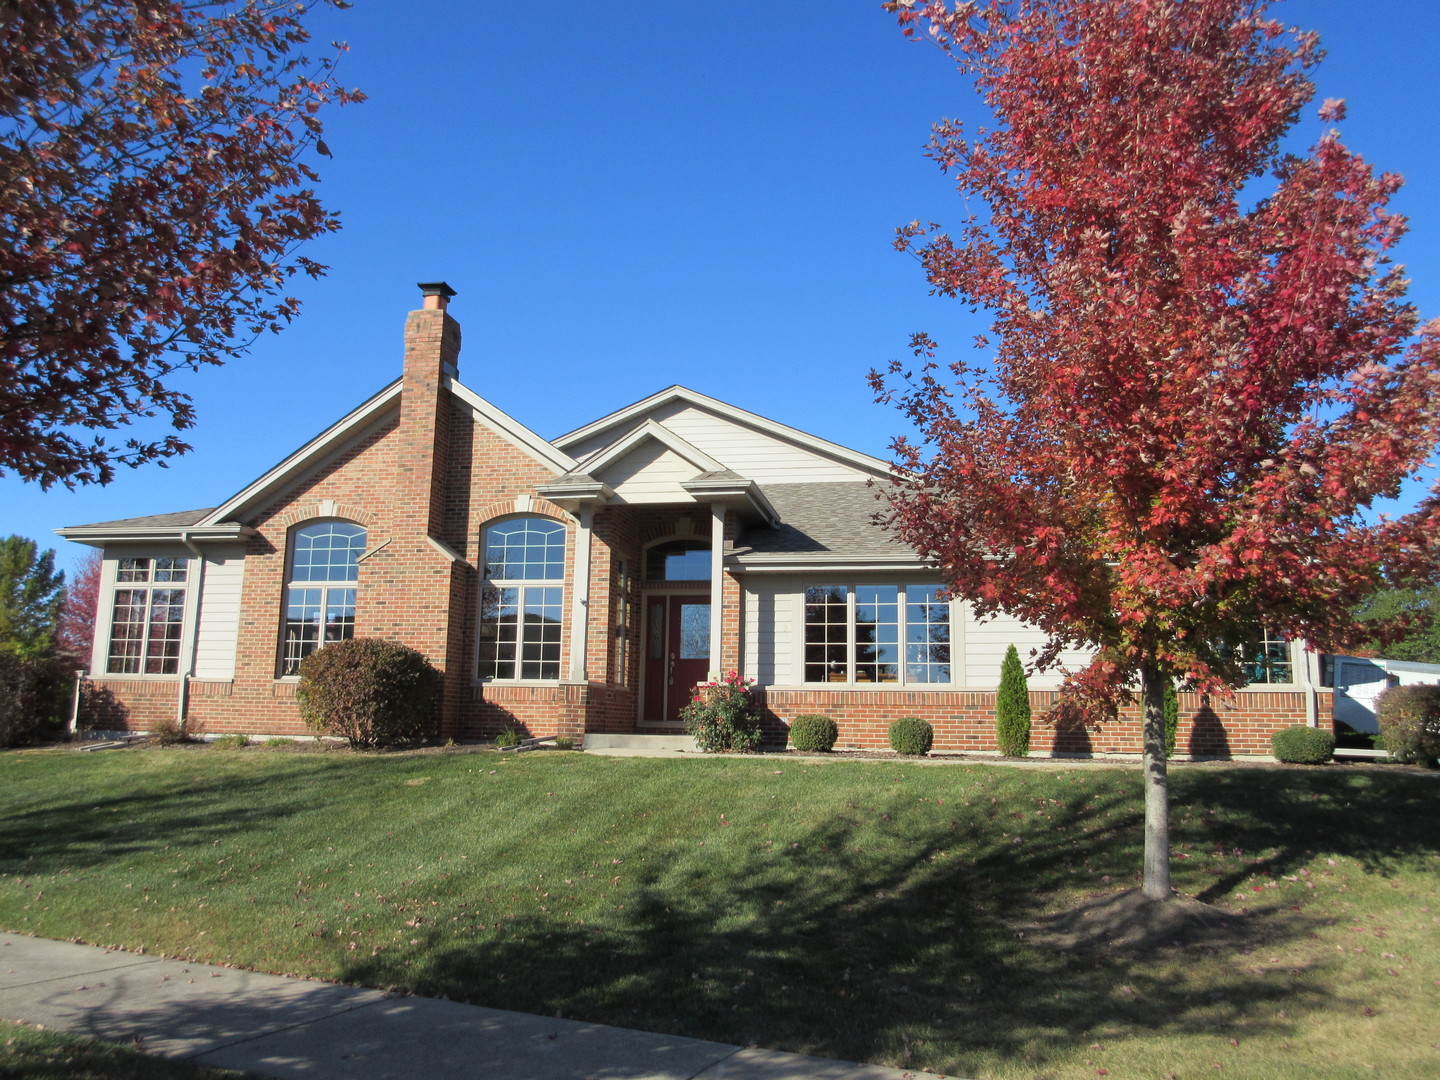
(818, 518)
(178, 519)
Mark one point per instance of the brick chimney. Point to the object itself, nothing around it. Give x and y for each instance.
(432, 352)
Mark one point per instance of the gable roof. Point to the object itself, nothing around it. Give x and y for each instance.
(310, 453)
(649, 429)
(618, 424)
(507, 426)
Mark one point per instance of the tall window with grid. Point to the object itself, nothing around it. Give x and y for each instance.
(320, 596)
(147, 619)
(522, 599)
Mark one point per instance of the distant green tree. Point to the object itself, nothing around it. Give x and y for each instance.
(1422, 606)
(1012, 707)
(31, 594)
(33, 679)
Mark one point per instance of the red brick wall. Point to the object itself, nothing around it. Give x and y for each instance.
(1210, 726)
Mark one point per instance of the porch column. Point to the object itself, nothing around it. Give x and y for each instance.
(717, 585)
(580, 602)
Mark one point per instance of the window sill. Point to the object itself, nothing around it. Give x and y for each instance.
(97, 677)
(879, 688)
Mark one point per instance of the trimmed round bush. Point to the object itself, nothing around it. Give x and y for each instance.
(369, 692)
(911, 735)
(813, 733)
(1303, 745)
(1409, 718)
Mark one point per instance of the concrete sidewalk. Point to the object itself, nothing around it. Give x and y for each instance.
(282, 1027)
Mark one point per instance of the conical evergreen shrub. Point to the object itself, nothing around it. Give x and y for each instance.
(1172, 718)
(1012, 708)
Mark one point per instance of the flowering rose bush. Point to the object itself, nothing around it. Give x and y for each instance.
(721, 716)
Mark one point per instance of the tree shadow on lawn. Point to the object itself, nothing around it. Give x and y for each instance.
(165, 811)
(1279, 821)
(916, 954)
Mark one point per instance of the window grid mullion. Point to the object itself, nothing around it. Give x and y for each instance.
(849, 635)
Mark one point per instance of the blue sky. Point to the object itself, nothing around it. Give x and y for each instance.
(628, 196)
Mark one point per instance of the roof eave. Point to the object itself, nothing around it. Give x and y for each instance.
(793, 562)
(744, 493)
(100, 535)
(573, 494)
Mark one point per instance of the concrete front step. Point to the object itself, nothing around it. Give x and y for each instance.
(641, 745)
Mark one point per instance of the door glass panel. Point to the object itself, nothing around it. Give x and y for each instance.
(695, 632)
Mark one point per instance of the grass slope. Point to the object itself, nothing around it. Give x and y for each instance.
(865, 910)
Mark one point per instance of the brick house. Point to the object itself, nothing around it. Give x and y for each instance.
(577, 586)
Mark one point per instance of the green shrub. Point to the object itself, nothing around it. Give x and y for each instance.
(1012, 708)
(507, 738)
(813, 733)
(1171, 708)
(35, 695)
(279, 740)
(1409, 718)
(564, 742)
(229, 742)
(721, 716)
(1303, 745)
(169, 732)
(368, 691)
(911, 735)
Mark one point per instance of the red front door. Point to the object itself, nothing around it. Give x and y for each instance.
(677, 654)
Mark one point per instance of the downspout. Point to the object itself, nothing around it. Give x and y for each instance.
(75, 703)
(192, 610)
(1312, 695)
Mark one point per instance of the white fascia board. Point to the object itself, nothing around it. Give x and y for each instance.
(747, 490)
(347, 425)
(100, 535)
(790, 564)
(731, 412)
(607, 456)
(545, 452)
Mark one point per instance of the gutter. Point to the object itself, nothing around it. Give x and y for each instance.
(1312, 695)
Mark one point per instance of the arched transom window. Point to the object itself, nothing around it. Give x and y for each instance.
(522, 599)
(320, 596)
(678, 560)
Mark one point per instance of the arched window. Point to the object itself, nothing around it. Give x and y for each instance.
(678, 560)
(522, 599)
(320, 596)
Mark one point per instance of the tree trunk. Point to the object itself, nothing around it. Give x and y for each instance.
(1156, 883)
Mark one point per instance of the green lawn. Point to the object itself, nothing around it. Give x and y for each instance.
(865, 910)
(28, 1053)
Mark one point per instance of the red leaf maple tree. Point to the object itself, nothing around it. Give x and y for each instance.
(1204, 368)
(153, 192)
(75, 631)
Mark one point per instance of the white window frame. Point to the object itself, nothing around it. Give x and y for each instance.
(332, 597)
(530, 595)
(151, 584)
(1261, 645)
(903, 603)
